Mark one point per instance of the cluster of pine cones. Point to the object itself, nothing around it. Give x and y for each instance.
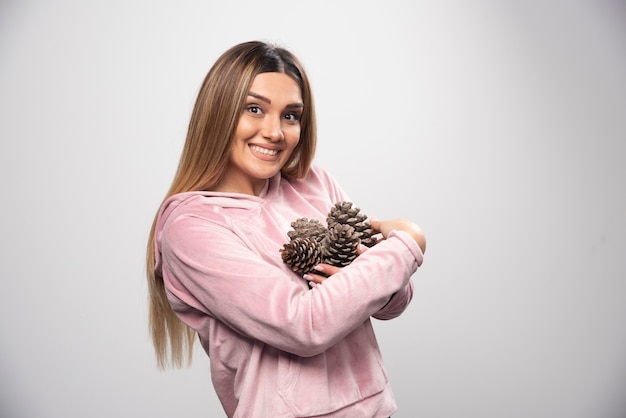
(336, 244)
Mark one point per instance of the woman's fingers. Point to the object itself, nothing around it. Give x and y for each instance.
(321, 272)
(385, 228)
(326, 269)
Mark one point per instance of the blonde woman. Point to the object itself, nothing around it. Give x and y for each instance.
(277, 347)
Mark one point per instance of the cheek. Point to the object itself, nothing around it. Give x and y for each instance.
(293, 136)
(245, 129)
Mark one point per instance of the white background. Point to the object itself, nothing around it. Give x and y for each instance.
(498, 126)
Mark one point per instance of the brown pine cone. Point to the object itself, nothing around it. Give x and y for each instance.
(344, 213)
(340, 245)
(366, 233)
(301, 254)
(307, 228)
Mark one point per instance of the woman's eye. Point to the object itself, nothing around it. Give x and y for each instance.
(292, 117)
(254, 109)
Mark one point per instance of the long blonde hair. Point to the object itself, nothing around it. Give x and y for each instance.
(204, 159)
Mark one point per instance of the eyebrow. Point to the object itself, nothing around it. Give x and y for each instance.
(268, 101)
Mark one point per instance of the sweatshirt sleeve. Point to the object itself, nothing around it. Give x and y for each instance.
(210, 271)
(397, 303)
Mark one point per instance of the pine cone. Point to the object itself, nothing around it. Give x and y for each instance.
(344, 213)
(301, 254)
(340, 245)
(307, 228)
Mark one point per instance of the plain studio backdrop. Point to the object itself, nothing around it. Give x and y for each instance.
(497, 126)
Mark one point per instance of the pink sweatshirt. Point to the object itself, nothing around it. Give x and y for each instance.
(277, 348)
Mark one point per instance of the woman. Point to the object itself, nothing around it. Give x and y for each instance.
(277, 348)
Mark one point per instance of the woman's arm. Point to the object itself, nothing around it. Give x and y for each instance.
(398, 301)
(385, 227)
(212, 271)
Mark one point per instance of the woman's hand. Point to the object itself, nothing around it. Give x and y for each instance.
(385, 227)
(326, 270)
(382, 227)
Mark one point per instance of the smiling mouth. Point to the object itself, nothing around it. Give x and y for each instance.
(264, 151)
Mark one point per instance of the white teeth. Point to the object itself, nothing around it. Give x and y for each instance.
(265, 151)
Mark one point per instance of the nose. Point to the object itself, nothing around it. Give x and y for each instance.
(272, 129)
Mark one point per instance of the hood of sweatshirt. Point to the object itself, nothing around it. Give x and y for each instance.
(221, 199)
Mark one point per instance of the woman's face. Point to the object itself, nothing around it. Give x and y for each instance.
(266, 135)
